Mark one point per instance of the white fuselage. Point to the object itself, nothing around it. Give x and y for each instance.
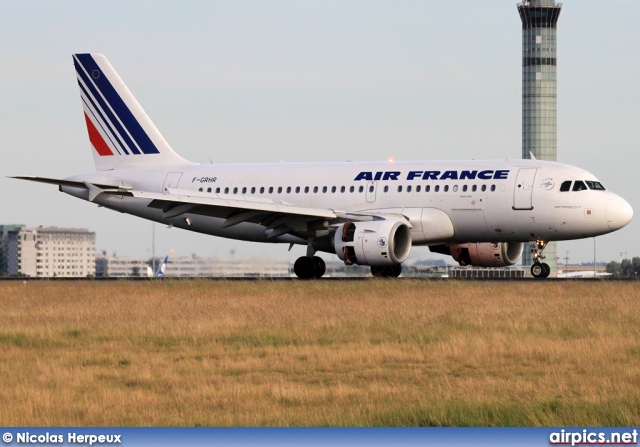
(486, 201)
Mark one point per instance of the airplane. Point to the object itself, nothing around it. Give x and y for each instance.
(481, 212)
(163, 266)
(584, 274)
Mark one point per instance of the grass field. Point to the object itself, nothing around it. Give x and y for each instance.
(364, 353)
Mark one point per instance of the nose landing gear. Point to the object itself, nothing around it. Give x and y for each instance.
(539, 269)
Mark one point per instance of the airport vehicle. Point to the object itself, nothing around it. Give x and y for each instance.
(482, 213)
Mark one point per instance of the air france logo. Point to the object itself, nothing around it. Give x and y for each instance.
(488, 174)
(547, 184)
(382, 242)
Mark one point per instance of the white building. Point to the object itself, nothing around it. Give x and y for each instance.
(192, 266)
(122, 267)
(51, 251)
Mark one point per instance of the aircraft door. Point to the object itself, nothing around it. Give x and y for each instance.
(171, 181)
(524, 188)
(371, 191)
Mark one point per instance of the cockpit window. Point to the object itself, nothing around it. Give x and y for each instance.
(566, 186)
(595, 185)
(579, 186)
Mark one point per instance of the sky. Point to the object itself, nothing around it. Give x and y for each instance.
(258, 81)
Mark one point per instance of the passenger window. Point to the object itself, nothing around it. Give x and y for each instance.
(235, 190)
(352, 189)
(200, 189)
(253, 190)
(361, 189)
(315, 189)
(342, 189)
(270, 189)
(262, 190)
(208, 189)
(566, 186)
(579, 186)
(464, 188)
(409, 188)
(244, 190)
(217, 190)
(297, 190)
(306, 190)
(400, 188)
(288, 189)
(333, 189)
(474, 188)
(418, 188)
(437, 188)
(324, 189)
(493, 188)
(483, 188)
(279, 189)
(386, 188)
(455, 188)
(427, 188)
(226, 190)
(446, 188)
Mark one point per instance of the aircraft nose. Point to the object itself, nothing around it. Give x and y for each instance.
(619, 213)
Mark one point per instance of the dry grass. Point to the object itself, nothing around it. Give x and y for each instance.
(410, 353)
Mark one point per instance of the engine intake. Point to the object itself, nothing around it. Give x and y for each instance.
(377, 243)
(487, 254)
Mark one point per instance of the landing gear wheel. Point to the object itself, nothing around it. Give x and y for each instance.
(319, 267)
(540, 270)
(307, 267)
(388, 271)
(547, 270)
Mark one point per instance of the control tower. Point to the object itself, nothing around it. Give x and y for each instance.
(539, 86)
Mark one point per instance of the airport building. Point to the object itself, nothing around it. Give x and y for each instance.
(4, 244)
(51, 251)
(192, 266)
(539, 91)
(113, 266)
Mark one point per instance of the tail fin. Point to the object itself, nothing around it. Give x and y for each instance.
(160, 271)
(120, 131)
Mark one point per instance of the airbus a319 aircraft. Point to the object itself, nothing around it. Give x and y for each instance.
(482, 213)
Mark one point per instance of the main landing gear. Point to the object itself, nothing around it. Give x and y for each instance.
(309, 267)
(387, 271)
(539, 269)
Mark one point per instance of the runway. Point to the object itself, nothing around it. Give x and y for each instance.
(328, 279)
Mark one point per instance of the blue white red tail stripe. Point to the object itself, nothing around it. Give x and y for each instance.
(118, 118)
(120, 131)
(100, 122)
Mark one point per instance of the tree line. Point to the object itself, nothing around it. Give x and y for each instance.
(627, 268)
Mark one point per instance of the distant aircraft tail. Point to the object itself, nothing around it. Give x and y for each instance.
(120, 131)
(160, 271)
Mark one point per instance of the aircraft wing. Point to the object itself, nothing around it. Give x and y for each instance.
(280, 218)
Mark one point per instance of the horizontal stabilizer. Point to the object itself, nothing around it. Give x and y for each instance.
(70, 183)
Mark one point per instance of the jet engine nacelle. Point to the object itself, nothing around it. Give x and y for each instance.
(377, 243)
(487, 254)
